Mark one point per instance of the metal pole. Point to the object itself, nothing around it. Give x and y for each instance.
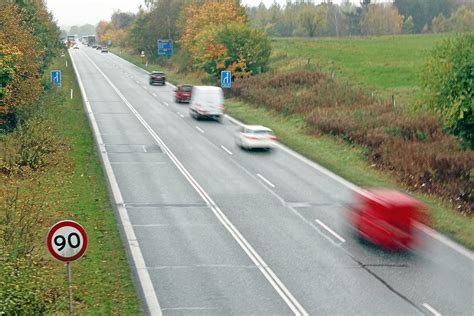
(69, 282)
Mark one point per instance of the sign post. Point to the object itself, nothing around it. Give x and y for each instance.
(226, 79)
(165, 47)
(67, 241)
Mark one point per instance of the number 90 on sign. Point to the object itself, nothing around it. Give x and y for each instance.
(67, 240)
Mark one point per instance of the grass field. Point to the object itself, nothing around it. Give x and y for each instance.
(385, 64)
(71, 185)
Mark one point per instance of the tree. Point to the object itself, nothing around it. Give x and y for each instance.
(382, 19)
(462, 20)
(439, 24)
(447, 78)
(423, 11)
(313, 18)
(121, 20)
(247, 48)
(201, 23)
(102, 28)
(408, 25)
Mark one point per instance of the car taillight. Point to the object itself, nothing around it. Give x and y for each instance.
(273, 137)
(221, 107)
(250, 137)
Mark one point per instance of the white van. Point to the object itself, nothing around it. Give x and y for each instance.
(207, 101)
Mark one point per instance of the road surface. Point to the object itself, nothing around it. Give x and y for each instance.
(212, 229)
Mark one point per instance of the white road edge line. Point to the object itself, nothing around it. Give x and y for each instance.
(265, 180)
(431, 309)
(267, 272)
(226, 150)
(200, 129)
(137, 256)
(427, 230)
(330, 230)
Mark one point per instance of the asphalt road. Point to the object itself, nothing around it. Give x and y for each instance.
(212, 229)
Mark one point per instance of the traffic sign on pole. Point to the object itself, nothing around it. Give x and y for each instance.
(226, 79)
(67, 240)
(165, 47)
(56, 77)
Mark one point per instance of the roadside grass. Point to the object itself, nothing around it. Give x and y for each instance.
(384, 64)
(71, 185)
(102, 277)
(346, 160)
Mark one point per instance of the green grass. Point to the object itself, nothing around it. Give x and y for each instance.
(385, 64)
(101, 278)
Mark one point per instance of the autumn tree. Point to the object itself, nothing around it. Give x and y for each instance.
(313, 18)
(381, 19)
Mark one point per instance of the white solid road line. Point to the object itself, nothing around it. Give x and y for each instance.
(226, 150)
(137, 256)
(427, 230)
(431, 309)
(267, 272)
(265, 180)
(330, 231)
(200, 129)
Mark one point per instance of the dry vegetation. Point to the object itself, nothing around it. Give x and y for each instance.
(412, 146)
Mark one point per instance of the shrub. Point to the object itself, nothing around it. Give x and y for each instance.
(448, 81)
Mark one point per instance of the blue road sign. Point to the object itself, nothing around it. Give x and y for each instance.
(56, 77)
(109, 42)
(226, 79)
(165, 47)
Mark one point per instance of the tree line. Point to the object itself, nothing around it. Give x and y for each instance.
(209, 35)
(29, 39)
(306, 18)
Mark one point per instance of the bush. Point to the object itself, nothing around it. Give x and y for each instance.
(448, 81)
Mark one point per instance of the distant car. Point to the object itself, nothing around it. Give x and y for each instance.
(207, 101)
(255, 136)
(386, 217)
(98, 47)
(104, 50)
(183, 93)
(157, 77)
(94, 45)
(76, 47)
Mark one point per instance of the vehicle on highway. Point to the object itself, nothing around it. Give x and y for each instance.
(76, 47)
(94, 45)
(183, 93)
(104, 50)
(255, 136)
(98, 47)
(386, 217)
(157, 77)
(207, 101)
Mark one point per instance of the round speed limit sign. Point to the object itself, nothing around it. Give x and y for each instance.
(67, 240)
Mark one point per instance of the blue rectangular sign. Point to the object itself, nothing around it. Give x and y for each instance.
(226, 79)
(56, 77)
(165, 47)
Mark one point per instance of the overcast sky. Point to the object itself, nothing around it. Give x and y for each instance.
(79, 12)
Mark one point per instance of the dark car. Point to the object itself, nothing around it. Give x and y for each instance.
(157, 77)
(183, 93)
(94, 45)
(98, 47)
(104, 50)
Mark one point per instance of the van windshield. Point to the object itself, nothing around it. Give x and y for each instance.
(185, 88)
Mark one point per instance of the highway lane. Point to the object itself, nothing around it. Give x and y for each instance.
(325, 275)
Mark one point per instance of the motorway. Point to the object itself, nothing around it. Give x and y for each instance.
(211, 229)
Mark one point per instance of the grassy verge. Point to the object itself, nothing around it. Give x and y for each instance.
(387, 64)
(345, 160)
(70, 185)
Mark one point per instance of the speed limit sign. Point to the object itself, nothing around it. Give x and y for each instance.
(67, 240)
